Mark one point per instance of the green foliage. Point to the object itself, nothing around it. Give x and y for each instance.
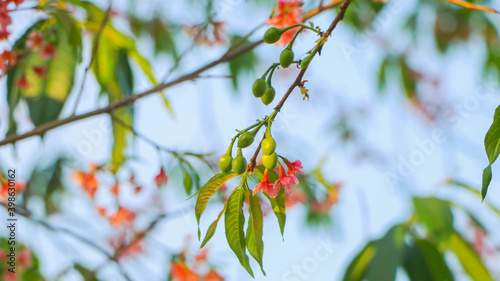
(241, 64)
(46, 94)
(207, 191)
(279, 209)
(234, 222)
(492, 146)
(254, 241)
(29, 270)
(436, 215)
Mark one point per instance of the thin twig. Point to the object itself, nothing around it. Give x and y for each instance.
(95, 47)
(298, 80)
(40, 130)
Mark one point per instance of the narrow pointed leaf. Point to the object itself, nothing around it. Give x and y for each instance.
(254, 241)
(469, 259)
(207, 191)
(279, 208)
(234, 222)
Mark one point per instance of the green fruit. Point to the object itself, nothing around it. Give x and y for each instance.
(268, 146)
(269, 161)
(259, 87)
(225, 163)
(286, 58)
(272, 35)
(305, 62)
(268, 97)
(245, 140)
(239, 165)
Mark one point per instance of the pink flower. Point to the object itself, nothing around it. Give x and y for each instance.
(285, 181)
(294, 167)
(265, 186)
(48, 51)
(7, 57)
(35, 41)
(161, 178)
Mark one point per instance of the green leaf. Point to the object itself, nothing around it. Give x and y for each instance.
(423, 262)
(207, 191)
(358, 265)
(241, 64)
(436, 215)
(187, 182)
(213, 227)
(46, 95)
(476, 192)
(88, 275)
(254, 241)
(234, 221)
(468, 258)
(279, 208)
(380, 259)
(486, 181)
(388, 256)
(492, 147)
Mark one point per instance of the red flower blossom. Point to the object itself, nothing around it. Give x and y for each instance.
(137, 189)
(22, 82)
(209, 34)
(286, 181)
(294, 167)
(265, 186)
(287, 13)
(40, 71)
(48, 51)
(161, 178)
(35, 41)
(294, 198)
(4, 34)
(6, 57)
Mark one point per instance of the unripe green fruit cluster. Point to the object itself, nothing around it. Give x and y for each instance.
(269, 157)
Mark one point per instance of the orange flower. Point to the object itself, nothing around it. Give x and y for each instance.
(87, 181)
(180, 272)
(115, 189)
(213, 275)
(7, 57)
(294, 198)
(209, 34)
(122, 217)
(286, 14)
(161, 178)
(101, 211)
(201, 256)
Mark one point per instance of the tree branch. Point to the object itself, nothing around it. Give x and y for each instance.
(40, 130)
